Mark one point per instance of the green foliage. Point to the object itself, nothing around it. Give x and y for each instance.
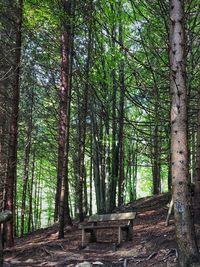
(146, 131)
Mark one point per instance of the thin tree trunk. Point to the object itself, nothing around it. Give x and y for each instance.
(185, 232)
(3, 145)
(197, 171)
(85, 193)
(135, 169)
(169, 176)
(115, 159)
(26, 173)
(37, 190)
(96, 162)
(68, 219)
(2, 154)
(129, 174)
(192, 146)
(121, 122)
(40, 205)
(38, 198)
(101, 151)
(30, 216)
(115, 148)
(91, 175)
(65, 96)
(82, 125)
(156, 160)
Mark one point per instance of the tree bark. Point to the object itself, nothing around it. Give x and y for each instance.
(37, 194)
(121, 119)
(115, 148)
(30, 215)
(7, 43)
(65, 96)
(96, 162)
(3, 151)
(91, 175)
(26, 171)
(185, 232)
(156, 159)
(197, 171)
(82, 121)
(12, 149)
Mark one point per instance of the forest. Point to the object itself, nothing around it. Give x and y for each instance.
(99, 108)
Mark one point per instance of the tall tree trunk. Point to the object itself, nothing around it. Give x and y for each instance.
(91, 175)
(135, 170)
(26, 171)
(82, 123)
(68, 212)
(96, 162)
(169, 176)
(37, 196)
(2, 164)
(115, 159)
(193, 153)
(85, 206)
(121, 120)
(65, 96)
(185, 232)
(101, 151)
(7, 44)
(2, 150)
(40, 204)
(156, 160)
(197, 171)
(30, 215)
(115, 147)
(12, 149)
(25, 181)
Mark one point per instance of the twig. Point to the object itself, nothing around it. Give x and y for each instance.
(167, 256)
(144, 259)
(45, 250)
(125, 263)
(172, 251)
(152, 255)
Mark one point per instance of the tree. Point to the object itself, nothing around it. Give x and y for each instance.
(185, 233)
(82, 114)
(26, 164)
(197, 169)
(121, 178)
(65, 96)
(12, 147)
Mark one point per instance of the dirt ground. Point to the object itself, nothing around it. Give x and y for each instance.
(153, 243)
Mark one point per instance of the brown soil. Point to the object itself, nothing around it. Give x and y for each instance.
(153, 243)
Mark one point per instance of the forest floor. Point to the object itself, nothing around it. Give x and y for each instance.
(153, 243)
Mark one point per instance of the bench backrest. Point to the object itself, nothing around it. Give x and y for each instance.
(112, 217)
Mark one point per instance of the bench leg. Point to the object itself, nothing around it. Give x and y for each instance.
(119, 235)
(130, 232)
(93, 237)
(83, 238)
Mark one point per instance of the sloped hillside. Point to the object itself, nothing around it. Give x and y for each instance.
(153, 243)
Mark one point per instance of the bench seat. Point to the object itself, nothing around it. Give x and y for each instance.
(103, 226)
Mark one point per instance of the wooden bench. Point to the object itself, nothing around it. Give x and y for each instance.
(91, 226)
